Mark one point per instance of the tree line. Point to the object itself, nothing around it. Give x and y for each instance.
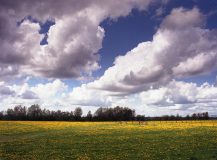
(194, 116)
(35, 112)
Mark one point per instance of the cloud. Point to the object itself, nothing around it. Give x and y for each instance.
(180, 18)
(87, 97)
(143, 78)
(29, 95)
(187, 97)
(175, 97)
(46, 94)
(8, 71)
(172, 98)
(171, 94)
(73, 41)
(159, 12)
(201, 63)
(49, 90)
(176, 51)
(6, 91)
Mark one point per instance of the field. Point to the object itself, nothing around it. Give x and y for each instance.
(108, 140)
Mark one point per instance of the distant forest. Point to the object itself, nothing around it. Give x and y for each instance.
(35, 113)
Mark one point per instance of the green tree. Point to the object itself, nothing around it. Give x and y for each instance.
(89, 116)
(78, 113)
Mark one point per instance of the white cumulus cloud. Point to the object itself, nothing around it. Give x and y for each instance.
(73, 41)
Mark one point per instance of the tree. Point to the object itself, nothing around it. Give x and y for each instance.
(114, 114)
(140, 118)
(20, 112)
(206, 115)
(1, 115)
(35, 112)
(194, 116)
(78, 113)
(10, 114)
(89, 116)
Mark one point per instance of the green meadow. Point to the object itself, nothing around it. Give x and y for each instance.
(184, 140)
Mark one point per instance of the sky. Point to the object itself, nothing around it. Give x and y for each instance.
(155, 56)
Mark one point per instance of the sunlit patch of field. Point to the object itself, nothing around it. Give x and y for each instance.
(108, 140)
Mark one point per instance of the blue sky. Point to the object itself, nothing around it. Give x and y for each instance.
(157, 57)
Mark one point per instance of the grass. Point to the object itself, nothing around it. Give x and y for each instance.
(192, 140)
